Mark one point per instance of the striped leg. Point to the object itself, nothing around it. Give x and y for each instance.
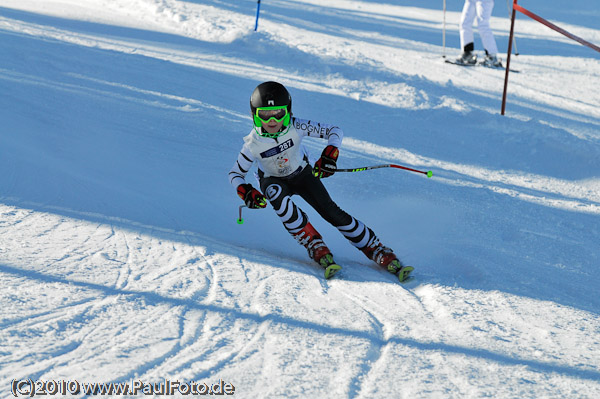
(357, 233)
(292, 217)
(365, 239)
(296, 223)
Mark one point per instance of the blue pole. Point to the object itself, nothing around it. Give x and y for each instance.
(257, 12)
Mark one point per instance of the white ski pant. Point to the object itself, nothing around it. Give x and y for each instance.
(482, 9)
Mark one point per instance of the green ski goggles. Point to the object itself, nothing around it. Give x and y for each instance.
(266, 114)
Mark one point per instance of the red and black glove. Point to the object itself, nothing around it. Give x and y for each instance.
(251, 196)
(326, 165)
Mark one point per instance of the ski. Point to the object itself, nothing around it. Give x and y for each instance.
(404, 274)
(329, 265)
(459, 64)
(331, 270)
(480, 65)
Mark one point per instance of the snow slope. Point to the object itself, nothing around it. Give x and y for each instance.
(121, 259)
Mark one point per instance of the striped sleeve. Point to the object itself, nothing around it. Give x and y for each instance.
(237, 174)
(335, 136)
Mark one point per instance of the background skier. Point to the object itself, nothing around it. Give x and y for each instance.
(482, 10)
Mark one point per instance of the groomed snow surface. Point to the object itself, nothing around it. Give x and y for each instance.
(121, 259)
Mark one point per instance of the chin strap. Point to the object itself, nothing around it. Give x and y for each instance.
(261, 132)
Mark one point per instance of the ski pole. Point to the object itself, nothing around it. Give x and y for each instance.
(257, 12)
(240, 220)
(513, 39)
(444, 32)
(428, 173)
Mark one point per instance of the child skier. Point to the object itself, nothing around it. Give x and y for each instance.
(275, 143)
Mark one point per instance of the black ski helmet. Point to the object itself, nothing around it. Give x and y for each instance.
(271, 94)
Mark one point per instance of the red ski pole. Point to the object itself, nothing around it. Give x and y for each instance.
(389, 165)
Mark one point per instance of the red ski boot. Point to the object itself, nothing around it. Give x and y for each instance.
(317, 250)
(385, 257)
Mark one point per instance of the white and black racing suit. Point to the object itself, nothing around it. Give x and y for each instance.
(284, 170)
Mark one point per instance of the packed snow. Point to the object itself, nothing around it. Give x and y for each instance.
(121, 260)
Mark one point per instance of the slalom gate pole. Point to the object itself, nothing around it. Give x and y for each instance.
(444, 32)
(512, 31)
(257, 12)
(554, 27)
(514, 40)
(517, 7)
(428, 173)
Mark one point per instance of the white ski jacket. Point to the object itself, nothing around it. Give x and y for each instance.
(284, 156)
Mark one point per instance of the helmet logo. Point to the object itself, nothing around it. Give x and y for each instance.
(271, 102)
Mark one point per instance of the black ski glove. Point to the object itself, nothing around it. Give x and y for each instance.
(251, 196)
(326, 165)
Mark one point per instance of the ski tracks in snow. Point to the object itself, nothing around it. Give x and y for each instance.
(127, 287)
(138, 302)
(383, 328)
(100, 269)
